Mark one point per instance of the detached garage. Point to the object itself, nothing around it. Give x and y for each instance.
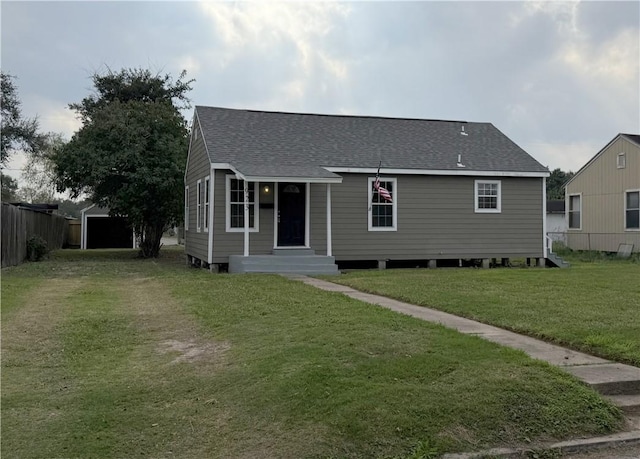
(100, 231)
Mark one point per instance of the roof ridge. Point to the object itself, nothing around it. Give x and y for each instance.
(330, 115)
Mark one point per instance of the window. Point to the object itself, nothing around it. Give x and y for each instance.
(206, 203)
(632, 210)
(575, 211)
(488, 196)
(383, 214)
(199, 206)
(622, 160)
(186, 208)
(235, 205)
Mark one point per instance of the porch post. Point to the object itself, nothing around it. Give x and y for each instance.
(246, 219)
(329, 251)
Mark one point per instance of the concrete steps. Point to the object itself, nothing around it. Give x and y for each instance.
(284, 261)
(556, 261)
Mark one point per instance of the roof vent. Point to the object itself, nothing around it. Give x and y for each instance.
(462, 131)
(459, 163)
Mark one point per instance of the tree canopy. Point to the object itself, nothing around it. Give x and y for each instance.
(556, 182)
(16, 132)
(129, 155)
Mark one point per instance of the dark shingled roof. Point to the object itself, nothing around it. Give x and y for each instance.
(632, 137)
(262, 143)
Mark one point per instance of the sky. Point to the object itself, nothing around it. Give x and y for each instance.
(561, 79)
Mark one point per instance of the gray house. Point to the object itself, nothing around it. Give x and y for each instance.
(274, 192)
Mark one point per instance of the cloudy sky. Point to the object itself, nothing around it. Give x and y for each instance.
(561, 79)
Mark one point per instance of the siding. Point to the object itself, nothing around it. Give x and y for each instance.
(603, 187)
(436, 220)
(198, 167)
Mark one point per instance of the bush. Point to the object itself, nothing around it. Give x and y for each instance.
(36, 248)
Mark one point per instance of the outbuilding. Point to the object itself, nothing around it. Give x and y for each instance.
(102, 231)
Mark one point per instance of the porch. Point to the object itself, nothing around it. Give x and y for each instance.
(290, 260)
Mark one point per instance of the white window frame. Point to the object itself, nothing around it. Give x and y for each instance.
(621, 161)
(569, 211)
(207, 192)
(476, 196)
(256, 204)
(186, 208)
(394, 204)
(199, 206)
(625, 208)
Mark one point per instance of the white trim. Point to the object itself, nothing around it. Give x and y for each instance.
(621, 164)
(245, 210)
(568, 207)
(479, 210)
(279, 179)
(373, 170)
(544, 217)
(256, 211)
(596, 156)
(198, 206)
(187, 208)
(625, 208)
(206, 205)
(211, 219)
(276, 203)
(307, 206)
(394, 204)
(329, 242)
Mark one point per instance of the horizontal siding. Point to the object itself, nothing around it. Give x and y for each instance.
(603, 187)
(436, 219)
(198, 168)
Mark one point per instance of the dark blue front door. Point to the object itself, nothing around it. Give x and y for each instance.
(291, 213)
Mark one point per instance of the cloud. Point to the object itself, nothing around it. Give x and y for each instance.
(284, 43)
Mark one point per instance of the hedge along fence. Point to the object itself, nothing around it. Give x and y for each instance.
(19, 224)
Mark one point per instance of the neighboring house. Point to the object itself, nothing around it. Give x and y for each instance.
(100, 231)
(459, 190)
(603, 198)
(556, 223)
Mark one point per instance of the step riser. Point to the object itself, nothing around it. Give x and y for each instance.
(309, 264)
(618, 388)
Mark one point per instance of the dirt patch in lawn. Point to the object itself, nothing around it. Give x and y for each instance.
(167, 328)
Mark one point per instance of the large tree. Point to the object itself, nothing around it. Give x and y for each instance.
(130, 152)
(16, 132)
(556, 182)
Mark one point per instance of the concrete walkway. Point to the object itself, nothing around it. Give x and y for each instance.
(618, 382)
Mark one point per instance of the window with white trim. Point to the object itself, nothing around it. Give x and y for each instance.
(235, 205)
(488, 196)
(621, 161)
(206, 203)
(199, 206)
(575, 211)
(383, 214)
(186, 208)
(632, 210)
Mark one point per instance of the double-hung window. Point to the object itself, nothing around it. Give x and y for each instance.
(199, 206)
(235, 205)
(383, 213)
(575, 211)
(207, 191)
(488, 196)
(186, 208)
(632, 210)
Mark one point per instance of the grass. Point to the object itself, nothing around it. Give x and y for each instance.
(594, 306)
(105, 355)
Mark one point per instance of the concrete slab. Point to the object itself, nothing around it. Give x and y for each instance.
(609, 379)
(630, 404)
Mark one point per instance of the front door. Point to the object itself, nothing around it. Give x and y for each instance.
(291, 214)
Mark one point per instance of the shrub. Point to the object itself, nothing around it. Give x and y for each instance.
(36, 248)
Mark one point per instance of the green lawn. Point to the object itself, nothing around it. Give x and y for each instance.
(594, 306)
(104, 355)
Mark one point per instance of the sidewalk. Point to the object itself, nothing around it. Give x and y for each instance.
(618, 382)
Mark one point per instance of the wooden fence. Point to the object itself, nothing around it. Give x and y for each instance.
(19, 224)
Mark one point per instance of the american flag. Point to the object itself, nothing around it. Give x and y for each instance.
(382, 191)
